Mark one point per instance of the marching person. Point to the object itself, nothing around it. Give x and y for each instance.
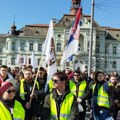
(10, 108)
(115, 90)
(101, 97)
(60, 104)
(23, 94)
(5, 75)
(78, 86)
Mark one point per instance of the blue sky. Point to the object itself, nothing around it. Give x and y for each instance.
(41, 11)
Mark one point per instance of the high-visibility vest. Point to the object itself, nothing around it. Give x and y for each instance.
(18, 112)
(81, 89)
(102, 98)
(65, 108)
(22, 91)
(50, 83)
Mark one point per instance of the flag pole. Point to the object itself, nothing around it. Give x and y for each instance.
(91, 39)
(36, 78)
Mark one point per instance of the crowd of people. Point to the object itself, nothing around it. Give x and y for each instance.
(68, 96)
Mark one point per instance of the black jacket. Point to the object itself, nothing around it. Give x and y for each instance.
(36, 107)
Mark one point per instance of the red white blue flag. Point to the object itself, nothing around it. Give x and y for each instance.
(73, 41)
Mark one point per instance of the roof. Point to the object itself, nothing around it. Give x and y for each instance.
(70, 18)
(113, 34)
(38, 30)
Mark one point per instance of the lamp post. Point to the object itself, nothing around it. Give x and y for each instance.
(91, 39)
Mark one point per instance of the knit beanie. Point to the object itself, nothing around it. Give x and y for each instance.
(4, 86)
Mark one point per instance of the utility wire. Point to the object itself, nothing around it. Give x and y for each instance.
(110, 12)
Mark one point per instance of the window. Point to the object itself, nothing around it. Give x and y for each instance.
(0, 62)
(0, 48)
(13, 45)
(97, 47)
(12, 61)
(39, 47)
(22, 46)
(106, 64)
(29, 62)
(88, 44)
(58, 47)
(106, 48)
(22, 60)
(79, 47)
(114, 50)
(98, 64)
(59, 36)
(38, 61)
(31, 47)
(7, 46)
(114, 64)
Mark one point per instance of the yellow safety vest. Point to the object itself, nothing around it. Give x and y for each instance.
(22, 91)
(81, 90)
(65, 109)
(102, 98)
(18, 112)
(50, 83)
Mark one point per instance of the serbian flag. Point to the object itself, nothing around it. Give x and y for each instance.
(73, 41)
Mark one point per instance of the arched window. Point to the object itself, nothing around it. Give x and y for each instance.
(81, 43)
(58, 47)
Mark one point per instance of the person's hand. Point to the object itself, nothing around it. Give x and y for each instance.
(32, 96)
(79, 100)
(27, 105)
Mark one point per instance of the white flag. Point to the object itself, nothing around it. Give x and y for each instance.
(25, 59)
(49, 51)
(18, 59)
(33, 61)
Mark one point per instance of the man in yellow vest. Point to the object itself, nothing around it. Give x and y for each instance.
(78, 86)
(23, 94)
(115, 89)
(60, 104)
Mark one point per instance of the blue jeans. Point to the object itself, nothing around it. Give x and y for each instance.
(102, 115)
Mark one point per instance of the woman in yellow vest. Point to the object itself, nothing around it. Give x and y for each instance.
(10, 108)
(60, 104)
(101, 97)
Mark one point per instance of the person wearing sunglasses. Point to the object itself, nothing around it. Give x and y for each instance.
(60, 104)
(10, 108)
(78, 86)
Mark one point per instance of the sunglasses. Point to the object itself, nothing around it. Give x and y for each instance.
(56, 81)
(10, 91)
(77, 75)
